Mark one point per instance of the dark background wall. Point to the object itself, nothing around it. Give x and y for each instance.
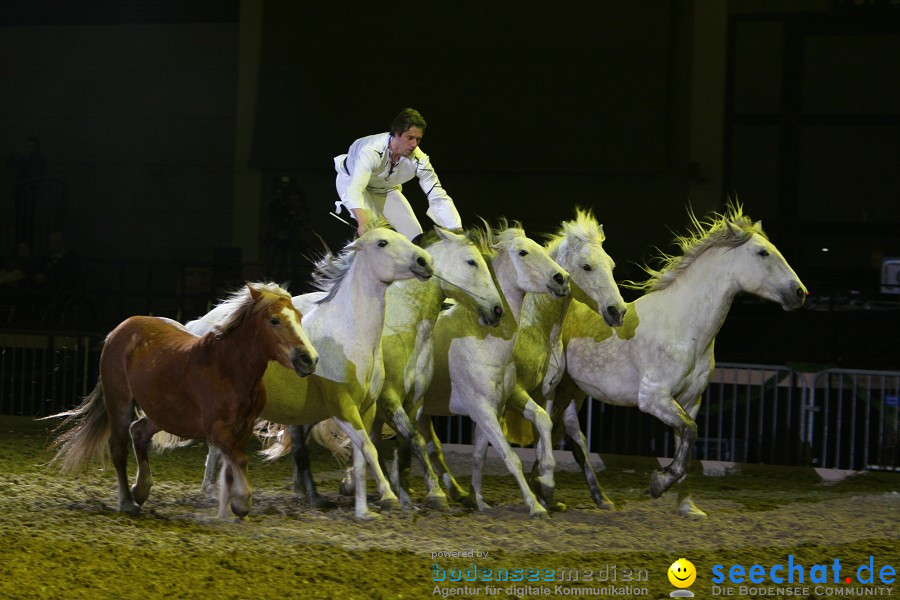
(168, 127)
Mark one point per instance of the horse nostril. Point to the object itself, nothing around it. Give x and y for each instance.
(498, 310)
(421, 261)
(558, 278)
(613, 311)
(801, 294)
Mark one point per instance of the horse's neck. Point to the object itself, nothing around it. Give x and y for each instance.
(544, 313)
(350, 324)
(239, 353)
(505, 278)
(699, 299)
(410, 302)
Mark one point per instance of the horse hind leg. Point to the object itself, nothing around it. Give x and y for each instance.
(120, 414)
(301, 471)
(142, 431)
(436, 457)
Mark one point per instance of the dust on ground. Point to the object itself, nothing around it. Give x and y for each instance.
(63, 538)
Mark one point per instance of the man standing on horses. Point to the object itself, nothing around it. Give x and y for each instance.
(371, 174)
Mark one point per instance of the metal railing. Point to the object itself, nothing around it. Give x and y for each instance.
(45, 372)
(835, 418)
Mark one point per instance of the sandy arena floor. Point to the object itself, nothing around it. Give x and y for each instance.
(62, 538)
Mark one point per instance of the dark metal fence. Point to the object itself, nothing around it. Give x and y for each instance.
(45, 372)
(837, 418)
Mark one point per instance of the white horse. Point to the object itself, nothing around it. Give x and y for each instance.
(346, 326)
(661, 359)
(540, 362)
(474, 370)
(412, 307)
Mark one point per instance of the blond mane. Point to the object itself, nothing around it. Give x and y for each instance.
(712, 232)
(583, 227)
(331, 269)
(240, 304)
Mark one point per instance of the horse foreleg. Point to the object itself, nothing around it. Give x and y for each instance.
(546, 462)
(435, 497)
(213, 462)
(578, 443)
(425, 427)
(666, 409)
(142, 431)
(364, 453)
(397, 480)
(479, 453)
(487, 421)
(234, 485)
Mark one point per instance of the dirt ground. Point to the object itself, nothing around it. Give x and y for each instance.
(62, 538)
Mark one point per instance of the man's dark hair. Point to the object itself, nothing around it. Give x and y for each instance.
(408, 117)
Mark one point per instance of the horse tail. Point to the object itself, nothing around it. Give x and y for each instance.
(163, 441)
(517, 429)
(275, 439)
(330, 436)
(85, 431)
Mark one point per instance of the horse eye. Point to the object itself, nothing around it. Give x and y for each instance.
(471, 262)
(763, 252)
(587, 267)
(523, 252)
(382, 243)
(274, 321)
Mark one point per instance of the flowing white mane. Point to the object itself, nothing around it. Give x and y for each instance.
(489, 240)
(713, 232)
(330, 269)
(239, 304)
(584, 227)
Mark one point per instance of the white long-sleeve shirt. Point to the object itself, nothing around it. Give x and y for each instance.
(368, 165)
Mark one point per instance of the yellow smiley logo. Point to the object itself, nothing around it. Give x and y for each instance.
(682, 573)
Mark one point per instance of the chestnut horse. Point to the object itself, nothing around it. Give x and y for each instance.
(206, 387)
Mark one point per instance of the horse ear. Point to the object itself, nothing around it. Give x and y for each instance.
(733, 229)
(444, 234)
(254, 293)
(758, 225)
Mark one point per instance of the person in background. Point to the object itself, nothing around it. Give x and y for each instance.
(372, 173)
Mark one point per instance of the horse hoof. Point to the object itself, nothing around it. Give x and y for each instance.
(558, 507)
(129, 507)
(366, 516)
(346, 489)
(390, 504)
(689, 509)
(605, 503)
(241, 509)
(483, 506)
(539, 512)
(140, 495)
(659, 483)
(437, 502)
